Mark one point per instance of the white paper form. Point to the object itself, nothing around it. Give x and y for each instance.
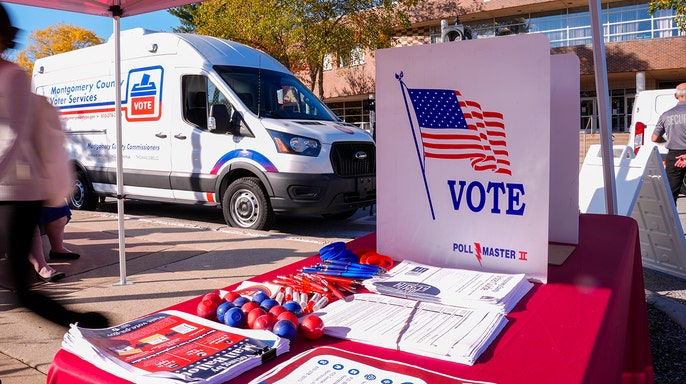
(450, 333)
(458, 287)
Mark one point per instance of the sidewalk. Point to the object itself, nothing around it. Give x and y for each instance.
(167, 264)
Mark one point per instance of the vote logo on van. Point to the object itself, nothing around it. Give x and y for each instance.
(144, 94)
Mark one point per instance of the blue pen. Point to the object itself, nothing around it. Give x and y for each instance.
(352, 275)
(351, 264)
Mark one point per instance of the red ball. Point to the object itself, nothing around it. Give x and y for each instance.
(277, 310)
(253, 315)
(249, 306)
(214, 296)
(265, 322)
(231, 296)
(288, 315)
(207, 309)
(312, 327)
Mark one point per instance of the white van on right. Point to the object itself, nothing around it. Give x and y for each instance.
(648, 107)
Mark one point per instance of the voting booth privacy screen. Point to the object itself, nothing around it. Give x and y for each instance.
(643, 193)
(463, 149)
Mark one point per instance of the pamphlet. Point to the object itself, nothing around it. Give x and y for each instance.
(174, 347)
(456, 334)
(328, 365)
(451, 286)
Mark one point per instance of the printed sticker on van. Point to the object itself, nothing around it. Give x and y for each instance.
(144, 94)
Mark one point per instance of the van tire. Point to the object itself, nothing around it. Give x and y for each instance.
(245, 205)
(83, 198)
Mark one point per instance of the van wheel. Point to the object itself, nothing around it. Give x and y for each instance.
(245, 205)
(83, 197)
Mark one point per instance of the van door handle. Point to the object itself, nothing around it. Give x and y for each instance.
(180, 136)
(161, 135)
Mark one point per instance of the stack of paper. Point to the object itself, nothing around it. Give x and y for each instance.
(450, 286)
(174, 347)
(444, 332)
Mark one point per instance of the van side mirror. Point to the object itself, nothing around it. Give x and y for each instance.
(219, 119)
(238, 126)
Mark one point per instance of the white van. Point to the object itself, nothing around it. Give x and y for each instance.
(206, 121)
(648, 107)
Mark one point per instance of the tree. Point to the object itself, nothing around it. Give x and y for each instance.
(679, 7)
(57, 38)
(186, 15)
(301, 33)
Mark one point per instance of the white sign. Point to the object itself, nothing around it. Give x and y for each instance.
(463, 149)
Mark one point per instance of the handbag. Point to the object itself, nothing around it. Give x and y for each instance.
(50, 143)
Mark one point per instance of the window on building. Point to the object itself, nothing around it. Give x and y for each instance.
(354, 57)
(352, 112)
(328, 62)
(573, 26)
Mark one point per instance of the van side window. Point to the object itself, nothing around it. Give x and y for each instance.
(195, 100)
(199, 95)
(217, 97)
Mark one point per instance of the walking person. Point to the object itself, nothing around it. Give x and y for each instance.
(673, 123)
(21, 190)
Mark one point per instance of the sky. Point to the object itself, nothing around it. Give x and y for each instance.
(28, 19)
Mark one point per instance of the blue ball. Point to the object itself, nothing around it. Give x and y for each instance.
(234, 317)
(223, 308)
(259, 297)
(286, 329)
(293, 306)
(240, 301)
(268, 304)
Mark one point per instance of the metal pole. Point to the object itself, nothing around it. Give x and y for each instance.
(600, 69)
(120, 176)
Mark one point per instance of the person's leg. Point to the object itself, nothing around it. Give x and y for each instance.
(37, 258)
(54, 221)
(18, 221)
(674, 174)
(55, 232)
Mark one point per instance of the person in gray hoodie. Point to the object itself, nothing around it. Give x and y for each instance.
(21, 187)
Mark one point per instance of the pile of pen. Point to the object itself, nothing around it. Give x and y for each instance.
(313, 291)
(340, 272)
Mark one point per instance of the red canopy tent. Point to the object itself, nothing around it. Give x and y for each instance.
(115, 9)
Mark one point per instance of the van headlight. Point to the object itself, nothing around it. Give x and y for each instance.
(296, 145)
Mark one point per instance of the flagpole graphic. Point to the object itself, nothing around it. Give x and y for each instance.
(403, 87)
(451, 127)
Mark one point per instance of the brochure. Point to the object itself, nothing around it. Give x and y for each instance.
(328, 365)
(451, 286)
(174, 347)
(456, 334)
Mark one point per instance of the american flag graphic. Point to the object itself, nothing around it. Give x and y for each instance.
(452, 127)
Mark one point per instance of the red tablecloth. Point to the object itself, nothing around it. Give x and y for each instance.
(589, 324)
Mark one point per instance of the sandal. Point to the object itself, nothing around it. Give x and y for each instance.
(54, 275)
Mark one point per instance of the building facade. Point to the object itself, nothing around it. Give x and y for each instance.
(643, 51)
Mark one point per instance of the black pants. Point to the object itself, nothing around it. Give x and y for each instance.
(675, 175)
(18, 221)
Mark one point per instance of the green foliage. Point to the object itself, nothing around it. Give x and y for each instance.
(300, 33)
(186, 14)
(679, 7)
(57, 38)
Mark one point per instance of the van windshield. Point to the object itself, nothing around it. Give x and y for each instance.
(274, 94)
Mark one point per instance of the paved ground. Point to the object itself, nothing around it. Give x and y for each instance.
(168, 263)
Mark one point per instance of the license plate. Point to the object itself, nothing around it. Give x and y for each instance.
(366, 186)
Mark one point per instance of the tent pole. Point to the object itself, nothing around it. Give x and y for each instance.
(116, 13)
(600, 70)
